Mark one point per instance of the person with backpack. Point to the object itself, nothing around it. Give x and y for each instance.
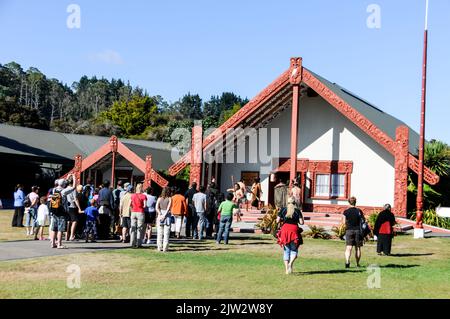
(58, 221)
(72, 207)
(353, 218)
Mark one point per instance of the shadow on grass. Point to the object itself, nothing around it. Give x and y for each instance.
(410, 255)
(328, 272)
(398, 266)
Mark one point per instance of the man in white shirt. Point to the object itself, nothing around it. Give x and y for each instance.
(199, 201)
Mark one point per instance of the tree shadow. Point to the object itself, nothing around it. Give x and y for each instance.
(410, 255)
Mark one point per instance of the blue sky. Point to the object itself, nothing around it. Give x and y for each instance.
(207, 47)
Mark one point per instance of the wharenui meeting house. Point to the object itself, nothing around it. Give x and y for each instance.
(335, 143)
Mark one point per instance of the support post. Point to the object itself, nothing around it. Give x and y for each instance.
(418, 231)
(401, 170)
(113, 145)
(196, 155)
(78, 168)
(148, 172)
(295, 80)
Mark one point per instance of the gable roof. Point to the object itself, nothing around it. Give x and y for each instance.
(386, 122)
(379, 125)
(55, 146)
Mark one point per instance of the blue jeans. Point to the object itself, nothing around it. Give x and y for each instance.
(202, 222)
(224, 228)
(290, 251)
(31, 217)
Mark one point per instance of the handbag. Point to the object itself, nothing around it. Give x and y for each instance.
(364, 227)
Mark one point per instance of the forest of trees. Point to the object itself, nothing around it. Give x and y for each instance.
(103, 107)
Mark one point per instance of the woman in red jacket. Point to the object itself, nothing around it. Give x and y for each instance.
(289, 236)
(384, 230)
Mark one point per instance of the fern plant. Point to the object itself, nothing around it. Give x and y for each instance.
(317, 232)
(339, 231)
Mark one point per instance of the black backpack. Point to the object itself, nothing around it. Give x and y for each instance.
(27, 201)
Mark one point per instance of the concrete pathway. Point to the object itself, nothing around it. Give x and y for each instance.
(21, 249)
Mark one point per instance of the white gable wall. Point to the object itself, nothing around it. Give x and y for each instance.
(325, 134)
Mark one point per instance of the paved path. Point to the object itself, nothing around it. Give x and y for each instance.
(22, 249)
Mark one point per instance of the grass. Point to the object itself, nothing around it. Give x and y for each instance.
(250, 267)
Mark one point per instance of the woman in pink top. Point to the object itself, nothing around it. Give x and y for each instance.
(138, 204)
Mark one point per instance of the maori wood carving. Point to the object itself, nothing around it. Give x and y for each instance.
(401, 171)
(237, 118)
(363, 123)
(114, 145)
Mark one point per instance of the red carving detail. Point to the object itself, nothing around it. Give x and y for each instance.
(148, 171)
(113, 142)
(304, 165)
(77, 168)
(296, 71)
(294, 125)
(196, 156)
(401, 171)
(429, 176)
(363, 123)
(114, 145)
(238, 117)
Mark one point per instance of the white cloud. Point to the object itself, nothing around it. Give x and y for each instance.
(107, 56)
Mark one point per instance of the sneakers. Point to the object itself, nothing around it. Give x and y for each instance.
(149, 241)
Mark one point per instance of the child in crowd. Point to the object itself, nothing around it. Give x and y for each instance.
(92, 220)
(42, 215)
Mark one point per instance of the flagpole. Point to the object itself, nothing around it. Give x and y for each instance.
(418, 231)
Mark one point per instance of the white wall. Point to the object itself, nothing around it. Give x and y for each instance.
(325, 134)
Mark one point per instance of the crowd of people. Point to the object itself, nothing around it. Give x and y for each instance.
(129, 213)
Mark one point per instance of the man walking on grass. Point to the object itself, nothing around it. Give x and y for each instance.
(352, 218)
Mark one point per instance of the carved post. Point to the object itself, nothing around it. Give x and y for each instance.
(295, 79)
(196, 155)
(78, 168)
(401, 170)
(148, 172)
(113, 144)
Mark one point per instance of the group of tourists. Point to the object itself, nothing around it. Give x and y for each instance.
(290, 220)
(127, 213)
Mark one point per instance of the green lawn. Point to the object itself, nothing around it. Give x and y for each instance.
(247, 268)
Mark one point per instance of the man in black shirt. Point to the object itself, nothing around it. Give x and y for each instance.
(352, 218)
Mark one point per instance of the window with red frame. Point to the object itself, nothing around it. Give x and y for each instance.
(330, 185)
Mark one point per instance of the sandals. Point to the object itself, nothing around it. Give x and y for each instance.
(61, 247)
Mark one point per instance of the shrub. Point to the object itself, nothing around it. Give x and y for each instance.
(339, 231)
(317, 232)
(431, 218)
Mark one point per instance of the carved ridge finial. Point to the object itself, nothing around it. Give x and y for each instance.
(296, 70)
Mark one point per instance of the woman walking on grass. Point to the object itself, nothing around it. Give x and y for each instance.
(163, 205)
(384, 230)
(289, 236)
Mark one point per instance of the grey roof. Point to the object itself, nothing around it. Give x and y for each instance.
(57, 146)
(385, 122)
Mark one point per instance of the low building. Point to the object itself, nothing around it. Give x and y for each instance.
(37, 157)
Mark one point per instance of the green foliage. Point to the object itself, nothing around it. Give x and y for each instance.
(430, 217)
(339, 231)
(132, 117)
(229, 113)
(317, 232)
(372, 219)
